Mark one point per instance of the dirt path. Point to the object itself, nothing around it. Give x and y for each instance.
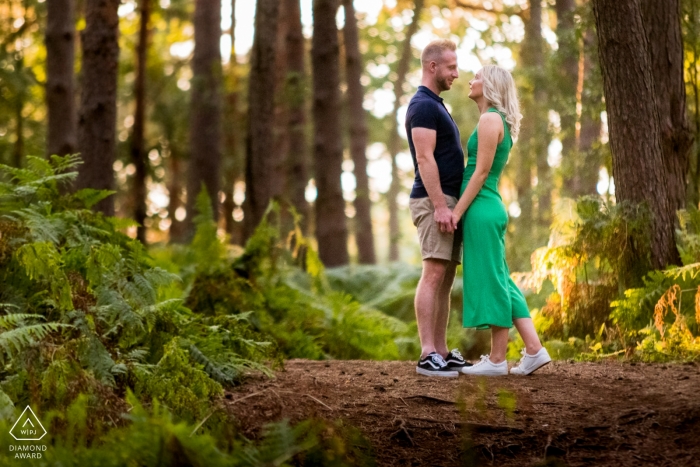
(599, 414)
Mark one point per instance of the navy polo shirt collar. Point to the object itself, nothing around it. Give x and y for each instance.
(430, 93)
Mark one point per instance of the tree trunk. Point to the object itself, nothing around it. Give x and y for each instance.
(394, 138)
(261, 108)
(585, 179)
(536, 118)
(532, 142)
(691, 36)
(358, 137)
(278, 157)
(662, 23)
(331, 229)
(60, 80)
(18, 147)
(568, 66)
(205, 108)
(98, 105)
(635, 131)
(297, 162)
(234, 161)
(177, 228)
(138, 151)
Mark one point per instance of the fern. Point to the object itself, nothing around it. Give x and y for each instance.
(14, 341)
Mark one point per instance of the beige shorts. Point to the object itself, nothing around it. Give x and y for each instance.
(433, 243)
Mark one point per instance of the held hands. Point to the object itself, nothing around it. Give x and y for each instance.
(443, 216)
(455, 220)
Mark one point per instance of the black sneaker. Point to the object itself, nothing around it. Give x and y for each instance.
(455, 360)
(434, 365)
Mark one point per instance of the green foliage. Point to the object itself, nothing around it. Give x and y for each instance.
(282, 290)
(155, 437)
(92, 314)
(185, 388)
(591, 258)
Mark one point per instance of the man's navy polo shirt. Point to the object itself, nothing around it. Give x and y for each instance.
(426, 110)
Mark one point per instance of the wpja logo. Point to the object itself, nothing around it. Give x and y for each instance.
(28, 428)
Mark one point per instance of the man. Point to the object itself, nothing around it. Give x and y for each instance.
(438, 159)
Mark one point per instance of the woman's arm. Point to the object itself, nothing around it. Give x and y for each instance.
(489, 132)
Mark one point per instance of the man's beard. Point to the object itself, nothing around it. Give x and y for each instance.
(443, 84)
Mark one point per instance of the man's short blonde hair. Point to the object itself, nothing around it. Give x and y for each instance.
(433, 51)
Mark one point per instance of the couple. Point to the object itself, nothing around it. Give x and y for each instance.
(451, 206)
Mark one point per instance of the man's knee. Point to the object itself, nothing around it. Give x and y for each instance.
(434, 271)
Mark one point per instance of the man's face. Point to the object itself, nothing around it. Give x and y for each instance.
(446, 70)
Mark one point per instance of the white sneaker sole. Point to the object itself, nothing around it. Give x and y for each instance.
(485, 374)
(441, 374)
(531, 371)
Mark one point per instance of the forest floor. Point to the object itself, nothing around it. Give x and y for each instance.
(572, 414)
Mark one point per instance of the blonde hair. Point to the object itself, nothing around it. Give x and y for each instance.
(500, 92)
(433, 51)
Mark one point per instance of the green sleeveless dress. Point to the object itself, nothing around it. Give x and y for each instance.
(491, 298)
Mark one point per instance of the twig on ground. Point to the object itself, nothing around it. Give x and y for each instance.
(202, 422)
(549, 443)
(249, 395)
(312, 397)
(402, 427)
(402, 400)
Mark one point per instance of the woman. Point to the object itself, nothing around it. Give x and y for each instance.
(491, 298)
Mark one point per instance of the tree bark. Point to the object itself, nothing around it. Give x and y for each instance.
(662, 23)
(568, 66)
(588, 153)
(297, 162)
(331, 229)
(234, 162)
(177, 228)
(205, 108)
(633, 116)
(536, 119)
(358, 137)
(394, 138)
(261, 108)
(60, 79)
(98, 106)
(138, 151)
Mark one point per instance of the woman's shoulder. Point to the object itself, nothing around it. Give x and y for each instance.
(490, 121)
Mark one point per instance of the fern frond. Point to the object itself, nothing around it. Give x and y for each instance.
(12, 342)
(13, 319)
(218, 373)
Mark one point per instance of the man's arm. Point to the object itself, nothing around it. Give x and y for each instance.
(424, 141)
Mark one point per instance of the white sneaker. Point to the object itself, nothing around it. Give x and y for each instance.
(486, 368)
(530, 363)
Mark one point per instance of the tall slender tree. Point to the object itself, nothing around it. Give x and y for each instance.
(331, 228)
(205, 107)
(138, 151)
(296, 83)
(234, 160)
(60, 77)
(394, 138)
(358, 136)
(98, 104)
(567, 61)
(535, 125)
(633, 114)
(662, 23)
(261, 108)
(589, 96)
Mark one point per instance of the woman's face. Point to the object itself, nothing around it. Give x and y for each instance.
(476, 86)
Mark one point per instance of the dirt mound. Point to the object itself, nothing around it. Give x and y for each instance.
(600, 414)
